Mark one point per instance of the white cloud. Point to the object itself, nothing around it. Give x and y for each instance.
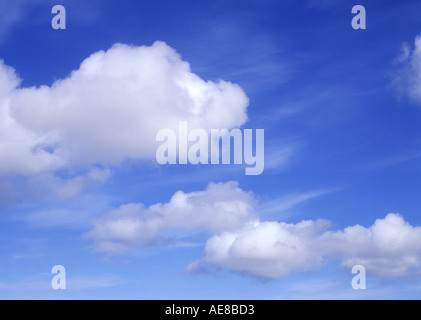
(19, 149)
(408, 78)
(219, 208)
(390, 247)
(404, 54)
(282, 204)
(109, 110)
(268, 249)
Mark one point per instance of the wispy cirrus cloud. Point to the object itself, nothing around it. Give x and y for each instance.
(283, 203)
(11, 12)
(407, 79)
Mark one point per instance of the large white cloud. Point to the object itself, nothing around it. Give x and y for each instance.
(109, 110)
(18, 145)
(240, 242)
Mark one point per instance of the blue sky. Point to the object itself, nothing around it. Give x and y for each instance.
(80, 187)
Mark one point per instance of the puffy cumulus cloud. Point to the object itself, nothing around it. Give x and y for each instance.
(221, 207)
(19, 146)
(241, 242)
(267, 249)
(109, 110)
(390, 247)
(408, 77)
